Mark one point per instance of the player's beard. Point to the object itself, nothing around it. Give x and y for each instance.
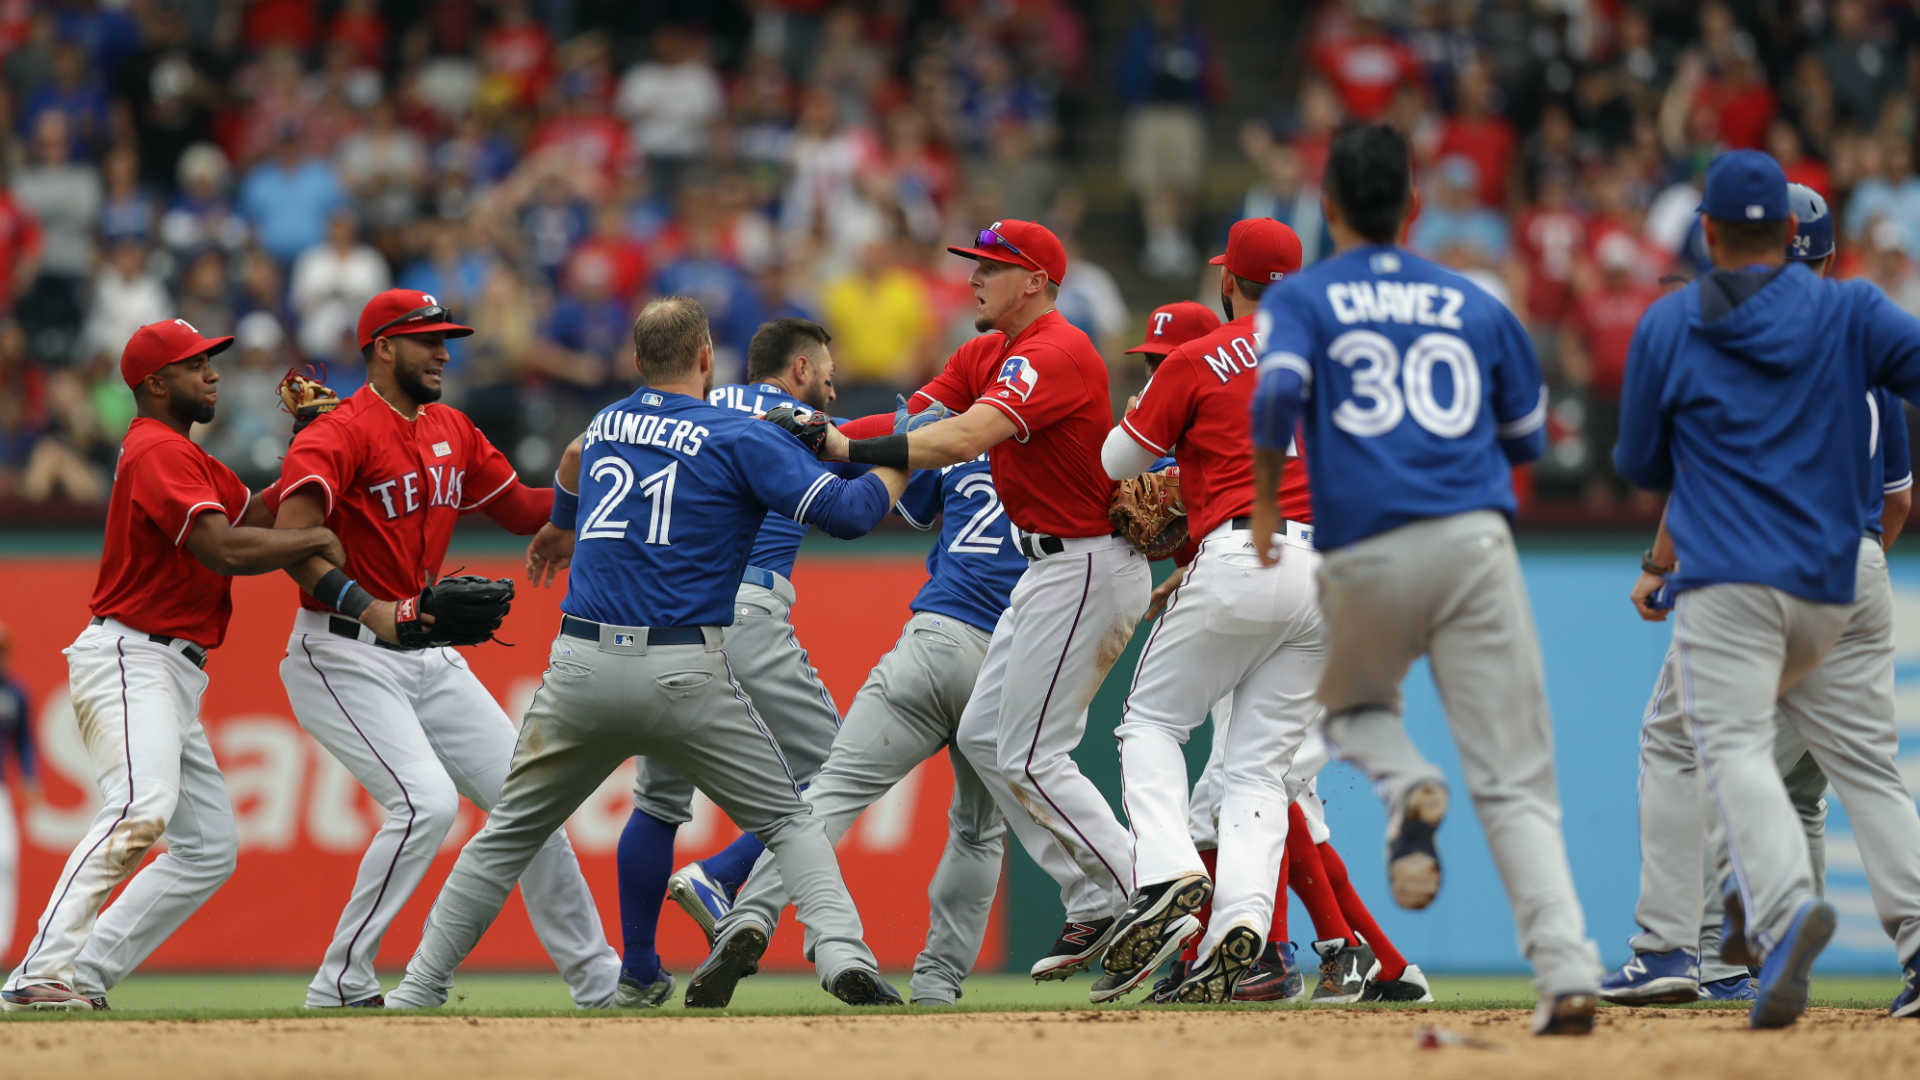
(196, 410)
(414, 384)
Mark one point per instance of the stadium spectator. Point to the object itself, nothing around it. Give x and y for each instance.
(1453, 227)
(289, 197)
(249, 431)
(1169, 84)
(1477, 132)
(384, 166)
(127, 295)
(76, 90)
(1593, 352)
(332, 281)
(206, 298)
(1862, 67)
(1281, 191)
(63, 195)
(1889, 264)
(671, 100)
(881, 318)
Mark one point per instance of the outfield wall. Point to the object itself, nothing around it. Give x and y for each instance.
(303, 821)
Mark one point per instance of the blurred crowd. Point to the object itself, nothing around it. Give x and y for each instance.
(261, 167)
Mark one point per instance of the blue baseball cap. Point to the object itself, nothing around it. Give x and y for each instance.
(1745, 185)
(1813, 225)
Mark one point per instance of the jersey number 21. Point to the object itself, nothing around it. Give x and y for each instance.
(655, 487)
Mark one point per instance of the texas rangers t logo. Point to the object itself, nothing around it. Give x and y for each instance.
(1160, 321)
(1019, 376)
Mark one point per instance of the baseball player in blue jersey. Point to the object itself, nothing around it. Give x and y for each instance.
(1677, 956)
(16, 741)
(1746, 394)
(1419, 392)
(668, 488)
(789, 362)
(905, 713)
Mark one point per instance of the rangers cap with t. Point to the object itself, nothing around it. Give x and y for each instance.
(1173, 325)
(158, 344)
(1260, 249)
(406, 311)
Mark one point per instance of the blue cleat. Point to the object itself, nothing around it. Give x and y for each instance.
(1783, 991)
(703, 899)
(1655, 978)
(1907, 1004)
(1731, 988)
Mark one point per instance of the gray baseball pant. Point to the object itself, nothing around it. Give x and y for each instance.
(905, 713)
(599, 704)
(1747, 651)
(773, 668)
(1385, 605)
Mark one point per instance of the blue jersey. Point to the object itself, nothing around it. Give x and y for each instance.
(670, 487)
(16, 730)
(1746, 393)
(777, 543)
(972, 569)
(1420, 391)
(1892, 464)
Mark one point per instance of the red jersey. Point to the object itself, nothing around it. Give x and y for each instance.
(1053, 385)
(1605, 320)
(393, 488)
(1196, 408)
(148, 579)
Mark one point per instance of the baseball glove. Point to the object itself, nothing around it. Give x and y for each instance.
(466, 610)
(810, 429)
(1147, 511)
(305, 397)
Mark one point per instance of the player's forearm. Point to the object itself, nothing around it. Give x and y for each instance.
(247, 550)
(1893, 516)
(959, 438)
(1122, 457)
(849, 508)
(1662, 549)
(1267, 466)
(520, 509)
(1276, 407)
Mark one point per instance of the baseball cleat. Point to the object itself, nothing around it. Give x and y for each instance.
(863, 986)
(99, 1003)
(1145, 927)
(1276, 977)
(631, 994)
(1908, 1001)
(1413, 856)
(1731, 988)
(735, 956)
(1410, 986)
(1078, 944)
(703, 899)
(1565, 1014)
(371, 1001)
(1213, 981)
(1345, 969)
(1162, 992)
(46, 995)
(1734, 946)
(1782, 993)
(1174, 940)
(1654, 978)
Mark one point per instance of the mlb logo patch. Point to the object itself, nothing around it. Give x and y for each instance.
(624, 641)
(1019, 376)
(441, 449)
(651, 398)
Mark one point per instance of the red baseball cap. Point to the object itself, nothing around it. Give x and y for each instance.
(158, 344)
(1173, 325)
(1021, 243)
(1260, 249)
(406, 311)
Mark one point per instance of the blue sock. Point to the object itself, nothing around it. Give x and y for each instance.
(731, 864)
(645, 859)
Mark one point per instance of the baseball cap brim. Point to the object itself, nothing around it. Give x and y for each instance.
(999, 257)
(1218, 260)
(1151, 348)
(210, 346)
(452, 329)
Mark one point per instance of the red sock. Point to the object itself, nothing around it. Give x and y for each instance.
(1210, 858)
(1309, 880)
(1277, 935)
(1392, 964)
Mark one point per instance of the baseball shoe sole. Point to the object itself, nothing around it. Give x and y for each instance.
(1112, 984)
(1565, 1014)
(1073, 950)
(1413, 855)
(703, 899)
(863, 986)
(43, 996)
(1143, 928)
(1213, 981)
(1783, 989)
(734, 957)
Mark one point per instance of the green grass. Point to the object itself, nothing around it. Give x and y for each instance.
(249, 996)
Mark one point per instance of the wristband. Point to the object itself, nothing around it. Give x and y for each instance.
(888, 450)
(566, 506)
(342, 593)
(1650, 566)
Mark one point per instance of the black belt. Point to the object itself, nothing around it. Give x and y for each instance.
(656, 635)
(195, 654)
(350, 628)
(1036, 545)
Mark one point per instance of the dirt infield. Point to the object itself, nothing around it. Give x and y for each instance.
(1700, 1045)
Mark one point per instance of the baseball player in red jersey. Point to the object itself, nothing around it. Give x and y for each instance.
(392, 471)
(1231, 626)
(178, 523)
(1031, 393)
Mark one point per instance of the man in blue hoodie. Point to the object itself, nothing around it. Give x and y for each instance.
(1747, 395)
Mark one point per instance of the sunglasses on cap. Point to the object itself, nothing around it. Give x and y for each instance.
(430, 313)
(990, 238)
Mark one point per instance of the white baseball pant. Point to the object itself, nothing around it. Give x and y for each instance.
(9, 868)
(1203, 810)
(138, 707)
(1232, 626)
(419, 731)
(1070, 617)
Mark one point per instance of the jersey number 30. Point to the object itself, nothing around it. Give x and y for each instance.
(1388, 386)
(655, 487)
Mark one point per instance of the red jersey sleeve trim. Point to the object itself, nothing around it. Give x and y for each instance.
(1126, 422)
(311, 478)
(490, 496)
(194, 512)
(1024, 434)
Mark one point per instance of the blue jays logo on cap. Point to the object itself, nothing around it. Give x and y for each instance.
(1745, 185)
